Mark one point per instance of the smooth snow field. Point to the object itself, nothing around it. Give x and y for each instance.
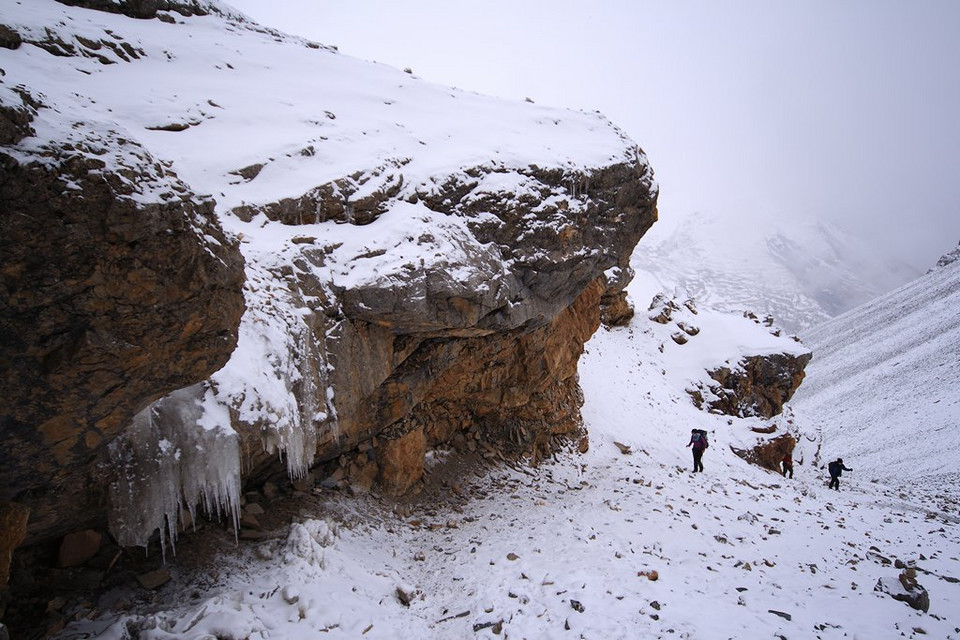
(601, 545)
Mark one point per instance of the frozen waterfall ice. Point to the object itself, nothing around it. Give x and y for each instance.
(178, 453)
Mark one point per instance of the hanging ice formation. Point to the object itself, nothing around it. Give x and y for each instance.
(177, 453)
(289, 407)
(299, 439)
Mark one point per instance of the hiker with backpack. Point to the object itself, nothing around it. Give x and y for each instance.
(698, 440)
(836, 470)
(787, 463)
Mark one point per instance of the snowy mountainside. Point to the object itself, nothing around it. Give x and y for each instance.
(619, 542)
(801, 273)
(882, 386)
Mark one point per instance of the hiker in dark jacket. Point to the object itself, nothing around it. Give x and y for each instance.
(698, 440)
(836, 470)
(787, 463)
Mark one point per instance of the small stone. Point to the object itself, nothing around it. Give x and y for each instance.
(154, 579)
(269, 490)
(577, 606)
(79, 547)
(254, 509)
(655, 605)
(305, 483)
(512, 556)
(290, 595)
(785, 616)
(405, 595)
(249, 521)
(584, 445)
(56, 604)
(906, 589)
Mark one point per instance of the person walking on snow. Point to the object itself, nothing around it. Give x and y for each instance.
(787, 463)
(698, 440)
(836, 470)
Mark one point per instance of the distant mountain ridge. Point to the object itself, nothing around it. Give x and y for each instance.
(802, 272)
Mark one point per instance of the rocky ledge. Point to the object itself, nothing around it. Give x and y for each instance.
(356, 292)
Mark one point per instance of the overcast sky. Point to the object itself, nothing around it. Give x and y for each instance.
(834, 109)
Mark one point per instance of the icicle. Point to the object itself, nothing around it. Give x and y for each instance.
(301, 444)
(177, 453)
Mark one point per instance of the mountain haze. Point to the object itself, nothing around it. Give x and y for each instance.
(800, 272)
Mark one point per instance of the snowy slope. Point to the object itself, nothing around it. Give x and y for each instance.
(245, 95)
(570, 549)
(800, 272)
(883, 384)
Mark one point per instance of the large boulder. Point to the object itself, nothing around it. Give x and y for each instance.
(905, 588)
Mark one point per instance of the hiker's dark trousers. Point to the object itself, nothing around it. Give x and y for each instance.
(787, 470)
(834, 482)
(697, 457)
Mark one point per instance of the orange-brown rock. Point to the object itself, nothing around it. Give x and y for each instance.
(759, 385)
(78, 547)
(615, 309)
(401, 462)
(769, 453)
(13, 529)
(425, 352)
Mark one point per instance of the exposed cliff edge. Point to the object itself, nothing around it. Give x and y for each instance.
(119, 286)
(412, 263)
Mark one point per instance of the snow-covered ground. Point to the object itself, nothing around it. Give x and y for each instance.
(601, 545)
(883, 384)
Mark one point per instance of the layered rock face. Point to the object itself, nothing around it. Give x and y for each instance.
(110, 299)
(759, 385)
(363, 278)
(417, 358)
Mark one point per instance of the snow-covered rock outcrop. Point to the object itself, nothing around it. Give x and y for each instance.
(418, 261)
(754, 372)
